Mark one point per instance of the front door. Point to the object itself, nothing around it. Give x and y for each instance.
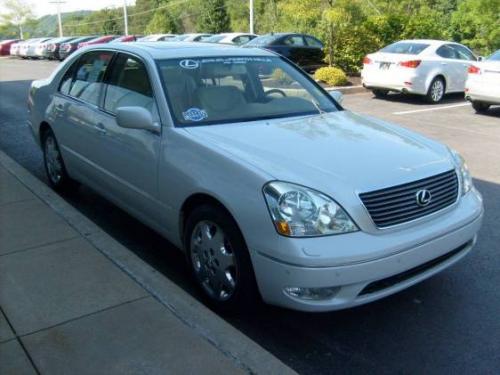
(128, 158)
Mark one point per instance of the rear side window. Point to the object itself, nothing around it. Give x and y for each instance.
(129, 85)
(405, 48)
(447, 52)
(295, 40)
(312, 42)
(84, 79)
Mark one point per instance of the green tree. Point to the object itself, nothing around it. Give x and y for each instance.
(18, 12)
(213, 17)
(476, 23)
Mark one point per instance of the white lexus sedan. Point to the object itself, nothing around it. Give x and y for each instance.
(271, 188)
(431, 68)
(483, 84)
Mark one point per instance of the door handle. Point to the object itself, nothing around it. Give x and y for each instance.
(443, 63)
(100, 129)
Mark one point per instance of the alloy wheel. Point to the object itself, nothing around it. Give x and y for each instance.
(437, 90)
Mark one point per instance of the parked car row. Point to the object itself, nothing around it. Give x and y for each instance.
(304, 50)
(433, 68)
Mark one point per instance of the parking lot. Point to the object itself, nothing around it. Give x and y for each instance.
(446, 324)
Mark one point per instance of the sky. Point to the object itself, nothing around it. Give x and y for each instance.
(43, 7)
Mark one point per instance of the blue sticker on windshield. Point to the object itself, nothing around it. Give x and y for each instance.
(194, 114)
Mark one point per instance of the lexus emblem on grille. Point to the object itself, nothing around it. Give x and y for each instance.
(423, 197)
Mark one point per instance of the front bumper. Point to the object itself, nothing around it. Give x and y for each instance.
(361, 282)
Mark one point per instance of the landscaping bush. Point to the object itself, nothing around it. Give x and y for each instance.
(280, 76)
(331, 76)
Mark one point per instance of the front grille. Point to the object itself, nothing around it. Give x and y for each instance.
(389, 282)
(398, 204)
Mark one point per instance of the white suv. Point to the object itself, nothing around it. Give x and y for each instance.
(425, 67)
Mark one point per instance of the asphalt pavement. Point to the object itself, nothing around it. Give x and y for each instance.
(447, 324)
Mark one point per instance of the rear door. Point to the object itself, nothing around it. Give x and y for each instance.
(315, 51)
(466, 58)
(297, 49)
(128, 158)
(452, 67)
(76, 109)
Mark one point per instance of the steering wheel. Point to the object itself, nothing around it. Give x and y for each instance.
(275, 91)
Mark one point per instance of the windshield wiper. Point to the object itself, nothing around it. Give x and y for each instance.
(316, 105)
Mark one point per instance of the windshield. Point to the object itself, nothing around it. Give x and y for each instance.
(215, 90)
(495, 56)
(405, 48)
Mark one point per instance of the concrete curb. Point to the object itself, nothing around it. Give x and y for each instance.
(243, 351)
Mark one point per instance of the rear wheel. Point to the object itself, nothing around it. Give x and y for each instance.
(219, 258)
(436, 90)
(379, 93)
(480, 107)
(54, 164)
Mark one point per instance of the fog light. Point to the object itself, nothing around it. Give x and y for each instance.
(312, 294)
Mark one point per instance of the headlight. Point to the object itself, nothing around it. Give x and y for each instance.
(463, 172)
(298, 211)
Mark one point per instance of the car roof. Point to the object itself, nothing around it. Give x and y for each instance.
(184, 49)
(432, 42)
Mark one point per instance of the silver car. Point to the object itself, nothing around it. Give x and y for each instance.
(267, 184)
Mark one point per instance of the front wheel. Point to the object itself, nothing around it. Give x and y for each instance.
(219, 258)
(436, 91)
(54, 164)
(480, 107)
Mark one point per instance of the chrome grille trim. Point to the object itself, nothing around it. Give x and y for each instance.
(397, 204)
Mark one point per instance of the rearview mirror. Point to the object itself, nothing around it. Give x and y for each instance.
(480, 58)
(337, 95)
(135, 118)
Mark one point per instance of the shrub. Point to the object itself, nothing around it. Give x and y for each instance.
(280, 76)
(331, 76)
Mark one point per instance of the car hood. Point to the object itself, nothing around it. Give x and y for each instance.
(330, 151)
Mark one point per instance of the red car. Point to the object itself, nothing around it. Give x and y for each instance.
(98, 40)
(5, 46)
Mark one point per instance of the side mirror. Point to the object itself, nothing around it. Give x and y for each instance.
(337, 95)
(480, 58)
(135, 118)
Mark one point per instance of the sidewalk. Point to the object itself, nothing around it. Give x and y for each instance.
(74, 301)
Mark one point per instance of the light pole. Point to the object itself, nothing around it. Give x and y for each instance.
(125, 18)
(251, 16)
(58, 4)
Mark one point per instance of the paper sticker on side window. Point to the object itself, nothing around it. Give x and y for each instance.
(194, 114)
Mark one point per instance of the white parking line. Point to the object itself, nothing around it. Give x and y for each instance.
(431, 109)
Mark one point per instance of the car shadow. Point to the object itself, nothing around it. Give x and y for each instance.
(420, 100)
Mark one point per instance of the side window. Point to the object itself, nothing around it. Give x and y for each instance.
(87, 76)
(463, 53)
(446, 52)
(295, 40)
(65, 84)
(312, 42)
(129, 85)
(241, 39)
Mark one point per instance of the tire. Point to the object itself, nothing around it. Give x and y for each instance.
(219, 259)
(379, 93)
(436, 91)
(53, 162)
(480, 107)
